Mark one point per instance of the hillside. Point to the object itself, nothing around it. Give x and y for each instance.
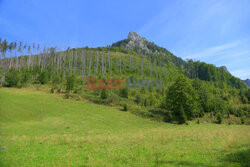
(163, 84)
(201, 70)
(41, 128)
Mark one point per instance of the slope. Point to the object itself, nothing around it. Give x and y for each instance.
(41, 129)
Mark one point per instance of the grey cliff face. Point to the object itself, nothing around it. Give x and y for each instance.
(133, 36)
(135, 40)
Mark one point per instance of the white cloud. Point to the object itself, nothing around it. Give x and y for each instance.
(213, 51)
(243, 74)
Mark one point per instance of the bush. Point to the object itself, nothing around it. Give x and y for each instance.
(104, 94)
(138, 99)
(145, 102)
(242, 120)
(125, 107)
(70, 84)
(124, 92)
(181, 117)
(52, 90)
(167, 116)
(43, 78)
(59, 90)
(67, 96)
(219, 118)
(12, 79)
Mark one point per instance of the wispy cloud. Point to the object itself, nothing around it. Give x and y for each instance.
(243, 73)
(213, 51)
(209, 31)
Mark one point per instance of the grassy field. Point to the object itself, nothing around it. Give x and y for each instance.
(41, 129)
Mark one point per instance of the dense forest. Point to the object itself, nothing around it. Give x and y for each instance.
(190, 89)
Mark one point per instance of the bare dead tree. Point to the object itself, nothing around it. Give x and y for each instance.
(96, 65)
(120, 65)
(90, 63)
(142, 72)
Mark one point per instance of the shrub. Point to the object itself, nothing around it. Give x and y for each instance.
(52, 90)
(125, 107)
(67, 96)
(219, 118)
(138, 99)
(145, 102)
(59, 90)
(12, 79)
(242, 120)
(167, 116)
(104, 94)
(124, 92)
(43, 78)
(181, 115)
(70, 84)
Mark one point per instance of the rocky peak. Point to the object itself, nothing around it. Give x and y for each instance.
(135, 40)
(224, 68)
(134, 36)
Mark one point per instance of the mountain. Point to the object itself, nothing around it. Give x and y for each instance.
(137, 51)
(193, 69)
(247, 82)
(141, 45)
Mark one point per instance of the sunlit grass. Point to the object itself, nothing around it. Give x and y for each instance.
(41, 129)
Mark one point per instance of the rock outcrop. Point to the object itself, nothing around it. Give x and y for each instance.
(135, 40)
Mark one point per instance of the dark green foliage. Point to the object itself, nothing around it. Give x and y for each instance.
(181, 115)
(217, 105)
(12, 79)
(248, 94)
(125, 107)
(70, 84)
(25, 78)
(242, 120)
(124, 92)
(168, 117)
(204, 96)
(219, 118)
(145, 102)
(181, 93)
(104, 94)
(209, 72)
(52, 90)
(138, 99)
(43, 78)
(121, 43)
(56, 81)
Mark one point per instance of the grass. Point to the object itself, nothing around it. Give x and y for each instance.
(42, 129)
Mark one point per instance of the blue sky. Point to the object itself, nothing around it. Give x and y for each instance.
(214, 31)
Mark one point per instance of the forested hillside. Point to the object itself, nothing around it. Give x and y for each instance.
(189, 90)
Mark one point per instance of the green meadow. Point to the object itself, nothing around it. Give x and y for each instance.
(42, 129)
